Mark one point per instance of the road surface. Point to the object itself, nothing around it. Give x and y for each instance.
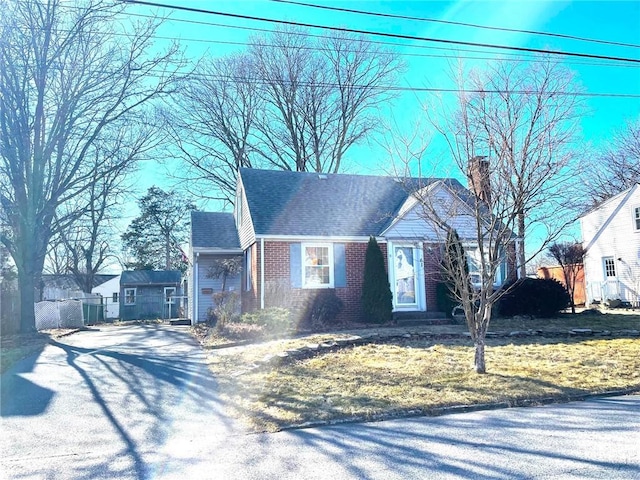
(137, 402)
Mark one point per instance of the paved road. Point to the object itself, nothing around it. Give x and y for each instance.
(137, 402)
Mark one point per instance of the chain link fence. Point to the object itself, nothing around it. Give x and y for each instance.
(59, 314)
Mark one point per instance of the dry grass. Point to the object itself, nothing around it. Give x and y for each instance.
(15, 347)
(418, 376)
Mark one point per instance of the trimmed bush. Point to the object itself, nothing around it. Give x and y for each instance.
(377, 302)
(274, 319)
(325, 308)
(537, 297)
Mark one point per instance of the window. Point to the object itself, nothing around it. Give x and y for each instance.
(129, 296)
(115, 297)
(317, 266)
(169, 295)
(247, 269)
(474, 263)
(609, 267)
(636, 218)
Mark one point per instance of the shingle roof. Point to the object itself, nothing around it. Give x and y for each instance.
(312, 204)
(150, 277)
(214, 230)
(68, 281)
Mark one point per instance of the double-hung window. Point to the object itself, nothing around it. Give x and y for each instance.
(129, 296)
(636, 218)
(317, 266)
(475, 267)
(609, 267)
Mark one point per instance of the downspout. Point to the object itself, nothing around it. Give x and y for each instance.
(194, 317)
(262, 274)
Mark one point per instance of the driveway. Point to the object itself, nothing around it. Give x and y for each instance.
(137, 402)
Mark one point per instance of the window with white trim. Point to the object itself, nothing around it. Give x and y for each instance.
(169, 295)
(247, 269)
(129, 296)
(609, 267)
(474, 264)
(114, 297)
(317, 265)
(636, 218)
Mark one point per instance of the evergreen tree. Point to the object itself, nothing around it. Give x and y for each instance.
(153, 238)
(376, 291)
(456, 268)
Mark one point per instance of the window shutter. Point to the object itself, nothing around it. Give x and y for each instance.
(339, 265)
(295, 265)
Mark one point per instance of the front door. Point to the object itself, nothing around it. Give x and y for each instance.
(407, 276)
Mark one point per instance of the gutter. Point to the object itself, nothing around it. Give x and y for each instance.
(262, 274)
(194, 317)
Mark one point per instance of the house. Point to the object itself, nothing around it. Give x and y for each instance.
(299, 233)
(110, 293)
(611, 238)
(150, 294)
(65, 286)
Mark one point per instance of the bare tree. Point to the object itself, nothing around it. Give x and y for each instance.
(524, 118)
(291, 102)
(69, 78)
(510, 134)
(570, 257)
(212, 121)
(617, 168)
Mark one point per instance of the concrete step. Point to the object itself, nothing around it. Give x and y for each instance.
(417, 322)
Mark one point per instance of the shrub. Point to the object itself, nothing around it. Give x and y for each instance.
(324, 309)
(376, 297)
(445, 300)
(226, 308)
(274, 319)
(534, 296)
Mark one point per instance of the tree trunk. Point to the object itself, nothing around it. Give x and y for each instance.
(520, 255)
(478, 362)
(27, 286)
(167, 252)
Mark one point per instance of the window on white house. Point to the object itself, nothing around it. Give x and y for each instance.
(169, 295)
(636, 218)
(115, 297)
(317, 266)
(129, 296)
(609, 267)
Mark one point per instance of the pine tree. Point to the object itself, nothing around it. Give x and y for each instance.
(376, 291)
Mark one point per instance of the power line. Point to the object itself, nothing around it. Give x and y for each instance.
(498, 55)
(520, 56)
(382, 34)
(462, 24)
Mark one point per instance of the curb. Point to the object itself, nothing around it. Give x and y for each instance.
(455, 409)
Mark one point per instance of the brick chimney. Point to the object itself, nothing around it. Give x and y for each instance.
(478, 178)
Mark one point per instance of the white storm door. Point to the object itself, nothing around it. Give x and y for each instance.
(407, 276)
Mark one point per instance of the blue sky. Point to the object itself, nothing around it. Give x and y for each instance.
(603, 20)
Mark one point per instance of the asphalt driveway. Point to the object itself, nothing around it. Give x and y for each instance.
(137, 402)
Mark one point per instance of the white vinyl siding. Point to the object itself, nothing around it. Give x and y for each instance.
(609, 232)
(205, 301)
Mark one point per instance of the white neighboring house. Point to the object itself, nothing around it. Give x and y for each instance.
(109, 291)
(611, 238)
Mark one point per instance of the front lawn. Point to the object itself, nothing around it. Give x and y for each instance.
(15, 347)
(421, 375)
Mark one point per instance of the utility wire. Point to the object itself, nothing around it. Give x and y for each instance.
(520, 56)
(462, 24)
(381, 34)
(515, 57)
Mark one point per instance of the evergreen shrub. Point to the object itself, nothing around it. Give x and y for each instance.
(538, 297)
(376, 299)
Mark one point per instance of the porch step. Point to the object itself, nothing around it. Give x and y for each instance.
(423, 322)
(405, 319)
(180, 321)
